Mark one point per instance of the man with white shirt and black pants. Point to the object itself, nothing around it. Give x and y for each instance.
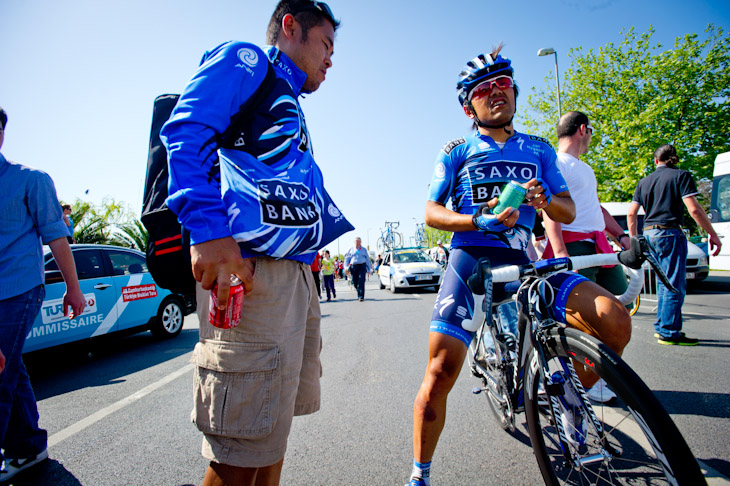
(585, 235)
(357, 262)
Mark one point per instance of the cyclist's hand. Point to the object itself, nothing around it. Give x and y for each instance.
(538, 194)
(484, 220)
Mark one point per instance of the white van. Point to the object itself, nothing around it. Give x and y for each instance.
(720, 209)
(697, 263)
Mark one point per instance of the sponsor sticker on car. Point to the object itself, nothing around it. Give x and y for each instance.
(137, 292)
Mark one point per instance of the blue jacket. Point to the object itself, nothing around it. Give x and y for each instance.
(266, 189)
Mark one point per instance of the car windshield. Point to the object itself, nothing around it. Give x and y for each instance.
(410, 257)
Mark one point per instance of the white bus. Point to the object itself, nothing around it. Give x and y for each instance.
(720, 210)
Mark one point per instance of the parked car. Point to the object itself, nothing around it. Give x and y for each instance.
(697, 259)
(405, 268)
(121, 297)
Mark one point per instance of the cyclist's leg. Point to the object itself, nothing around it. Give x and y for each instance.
(593, 310)
(448, 343)
(446, 356)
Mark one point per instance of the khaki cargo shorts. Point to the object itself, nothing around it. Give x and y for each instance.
(251, 380)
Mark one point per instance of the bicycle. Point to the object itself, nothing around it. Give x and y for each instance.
(420, 236)
(525, 357)
(390, 238)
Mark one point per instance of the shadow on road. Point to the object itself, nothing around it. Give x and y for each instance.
(714, 343)
(694, 403)
(720, 465)
(75, 366)
(713, 283)
(47, 472)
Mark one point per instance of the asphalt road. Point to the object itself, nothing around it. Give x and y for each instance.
(118, 413)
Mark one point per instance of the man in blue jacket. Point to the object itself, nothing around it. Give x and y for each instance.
(255, 208)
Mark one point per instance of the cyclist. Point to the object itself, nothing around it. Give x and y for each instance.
(469, 172)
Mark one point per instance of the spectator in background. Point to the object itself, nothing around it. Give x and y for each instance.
(31, 216)
(315, 267)
(440, 254)
(357, 262)
(328, 274)
(69, 222)
(662, 194)
(585, 235)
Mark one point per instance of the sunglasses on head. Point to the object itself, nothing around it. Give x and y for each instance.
(319, 6)
(485, 88)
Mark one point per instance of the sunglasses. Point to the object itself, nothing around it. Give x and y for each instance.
(589, 128)
(322, 7)
(485, 88)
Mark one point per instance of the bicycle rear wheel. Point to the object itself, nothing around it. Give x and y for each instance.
(637, 442)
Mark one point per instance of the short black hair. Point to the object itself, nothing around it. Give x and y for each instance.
(570, 123)
(304, 11)
(3, 117)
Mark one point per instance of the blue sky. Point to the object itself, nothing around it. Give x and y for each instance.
(78, 78)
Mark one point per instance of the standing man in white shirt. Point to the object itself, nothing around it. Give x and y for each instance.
(586, 234)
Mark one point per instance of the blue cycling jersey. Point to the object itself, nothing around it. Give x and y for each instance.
(265, 189)
(471, 171)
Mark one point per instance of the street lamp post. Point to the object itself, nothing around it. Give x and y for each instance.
(546, 52)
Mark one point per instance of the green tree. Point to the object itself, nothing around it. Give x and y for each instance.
(108, 224)
(639, 96)
(433, 236)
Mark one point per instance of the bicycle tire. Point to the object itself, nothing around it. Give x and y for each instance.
(658, 457)
(635, 308)
(397, 240)
(381, 245)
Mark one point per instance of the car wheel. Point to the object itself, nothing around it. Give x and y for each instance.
(169, 320)
(382, 285)
(393, 288)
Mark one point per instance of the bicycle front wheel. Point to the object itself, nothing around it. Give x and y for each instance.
(397, 240)
(632, 441)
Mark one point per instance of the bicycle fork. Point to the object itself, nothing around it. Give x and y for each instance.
(554, 387)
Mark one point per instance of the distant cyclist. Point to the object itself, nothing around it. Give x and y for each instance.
(470, 172)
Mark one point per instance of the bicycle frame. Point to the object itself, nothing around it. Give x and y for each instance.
(524, 351)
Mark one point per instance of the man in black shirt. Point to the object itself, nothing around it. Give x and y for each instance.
(662, 194)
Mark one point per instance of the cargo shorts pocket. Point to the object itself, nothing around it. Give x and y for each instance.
(236, 388)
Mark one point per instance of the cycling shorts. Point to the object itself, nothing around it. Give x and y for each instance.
(455, 302)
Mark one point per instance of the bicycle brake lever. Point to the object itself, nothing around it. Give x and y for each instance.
(475, 282)
(633, 257)
(648, 253)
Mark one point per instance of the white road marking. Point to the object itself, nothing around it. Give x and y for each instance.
(95, 417)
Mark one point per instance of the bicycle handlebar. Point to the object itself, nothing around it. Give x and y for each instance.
(632, 258)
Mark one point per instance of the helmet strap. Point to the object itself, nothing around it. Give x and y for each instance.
(486, 125)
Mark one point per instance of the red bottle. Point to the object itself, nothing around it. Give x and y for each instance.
(231, 315)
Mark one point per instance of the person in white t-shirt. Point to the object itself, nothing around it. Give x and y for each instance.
(586, 235)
